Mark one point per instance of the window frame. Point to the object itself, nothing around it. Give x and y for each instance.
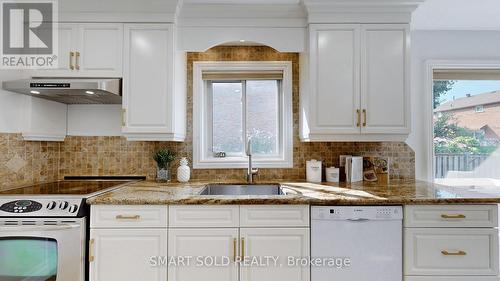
(479, 108)
(202, 124)
(426, 171)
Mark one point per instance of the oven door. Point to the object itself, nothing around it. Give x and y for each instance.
(42, 249)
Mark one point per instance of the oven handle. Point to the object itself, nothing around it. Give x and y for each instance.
(40, 227)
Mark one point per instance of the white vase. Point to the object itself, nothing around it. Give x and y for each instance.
(183, 172)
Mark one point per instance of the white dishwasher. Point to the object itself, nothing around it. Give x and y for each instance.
(357, 243)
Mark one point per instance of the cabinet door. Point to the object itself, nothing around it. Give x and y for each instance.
(68, 40)
(100, 49)
(148, 64)
(275, 242)
(334, 75)
(124, 254)
(203, 242)
(385, 79)
(67, 44)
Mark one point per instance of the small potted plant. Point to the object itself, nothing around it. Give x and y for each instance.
(163, 158)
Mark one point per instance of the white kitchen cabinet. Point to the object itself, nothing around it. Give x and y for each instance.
(385, 78)
(204, 216)
(154, 96)
(216, 243)
(100, 49)
(451, 242)
(275, 242)
(68, 42)
(88, 50)
(124, 254)
(335, 79)
(356, 83)
(451, 251)
(274, 216)
(128, 216)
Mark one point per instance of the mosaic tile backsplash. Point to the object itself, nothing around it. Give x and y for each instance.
(24, 162)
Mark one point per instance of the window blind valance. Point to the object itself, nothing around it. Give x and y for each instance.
(466, 74)
(242, 75)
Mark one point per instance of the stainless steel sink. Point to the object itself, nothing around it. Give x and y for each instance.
(242, 189)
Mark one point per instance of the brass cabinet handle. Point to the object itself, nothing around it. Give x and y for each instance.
(91, 250)
(123, 217)
(235, 241)
(77, 61)
(359, 117)
(459, 216)
(71, 56)
(364, 120)
(457, 253)
(242, 248)
(124, 112)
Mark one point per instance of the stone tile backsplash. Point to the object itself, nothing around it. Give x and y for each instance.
(24, 162)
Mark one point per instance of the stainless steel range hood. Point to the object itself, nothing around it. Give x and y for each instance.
(70, 90)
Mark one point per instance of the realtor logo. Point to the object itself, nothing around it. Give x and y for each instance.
(29, 34)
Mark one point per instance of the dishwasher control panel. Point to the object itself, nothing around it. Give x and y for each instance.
(357, 213)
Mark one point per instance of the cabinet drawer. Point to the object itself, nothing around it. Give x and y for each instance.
(452, 278)
(451, 216)
(109, 216)
(274, 216)
(204, 216)
(451, 251)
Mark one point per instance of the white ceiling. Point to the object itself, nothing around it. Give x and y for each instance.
(457, 15)
(243, 2)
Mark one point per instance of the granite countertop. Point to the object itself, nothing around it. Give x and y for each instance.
(397, 192)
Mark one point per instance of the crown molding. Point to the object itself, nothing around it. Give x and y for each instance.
(231, 15)
(360, 11)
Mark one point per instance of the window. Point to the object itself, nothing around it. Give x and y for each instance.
(237, 101)
(466, 145)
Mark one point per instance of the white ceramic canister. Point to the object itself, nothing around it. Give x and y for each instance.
(313, 170)
(332, 174)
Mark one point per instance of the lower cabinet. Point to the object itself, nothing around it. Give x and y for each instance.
(280, 244)
(205, 243)
(125, 254)
(451, 242)
(212, 243)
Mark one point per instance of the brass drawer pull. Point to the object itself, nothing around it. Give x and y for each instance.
(235, 241)
(124, 115)
(459, 216)
(359, 118)
(71, 56)
(123, 217)
(242, 248)
(91, 250)
(77, 61)
(458, 253)
(364, 120)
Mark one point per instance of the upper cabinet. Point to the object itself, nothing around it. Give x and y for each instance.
(153, 76)
(356, 83)
(154, 95)
(88, 50)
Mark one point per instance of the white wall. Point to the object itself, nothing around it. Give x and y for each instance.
(12, 105)
(441, 45)
(457, 15)
(94, 120)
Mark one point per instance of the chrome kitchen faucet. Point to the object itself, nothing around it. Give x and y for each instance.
(251, 171)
